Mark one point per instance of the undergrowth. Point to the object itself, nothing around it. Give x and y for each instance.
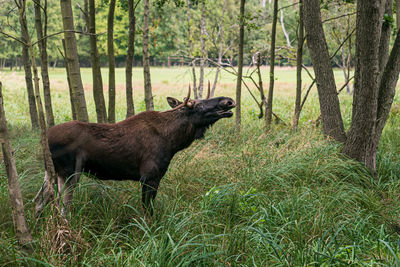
(232, 199)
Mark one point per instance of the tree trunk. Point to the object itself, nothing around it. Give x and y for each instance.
(130, 108)
(299, 63)
(43, 129)
(96, 70)
(372, 99)
(73, 106)
(146, 60)
(385, 38)
(28, 73)
(203, 47)
(240, 67)
(220, 51)
(345, 68)
(260, 86)
(387, 89)
(268, 112)
(365, 100)
(284, 30)
(111, 63)
(44, 61)
(398, 14)
(193, 62)
(328, 100)
(17, 205)
(72, 60)
(348, 58)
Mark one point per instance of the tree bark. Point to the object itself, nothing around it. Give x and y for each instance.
(111, 63)
(17, 205)
(28, 73)
(366, 84)
(130, 108)
(220, 51)
(284, 30)
(398, 14)
(202, 47)
(193, 62)
(72, 61)
(260, 86)
(345, 68)
(385, 38)
(42, 123)
(268, 111)
(44, 61)
(240, 66)
(96, 70)
(146, 58)
(73, 107)
(332, 122)
(299, 64)
(387, 89)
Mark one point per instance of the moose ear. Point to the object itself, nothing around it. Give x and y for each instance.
(173, 102)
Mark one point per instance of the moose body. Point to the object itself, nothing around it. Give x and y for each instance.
(139, 148)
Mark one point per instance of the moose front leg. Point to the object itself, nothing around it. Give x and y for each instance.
(149, 192)
(151, 172)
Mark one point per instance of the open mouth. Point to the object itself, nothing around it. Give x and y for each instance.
(225, 113)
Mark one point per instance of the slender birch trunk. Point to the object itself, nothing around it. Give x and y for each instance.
(28, 73)
(146, 58)
(17, 205)
(71, 55)
(130, 108)
(98, 95)
(299, 62)
(268, 112)
(220, 51)
(203, 47)
(111, 63)
(50, 172)
(193, 61)
(240, 66)
(44, 60)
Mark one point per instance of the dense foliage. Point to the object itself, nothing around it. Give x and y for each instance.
(169, 27)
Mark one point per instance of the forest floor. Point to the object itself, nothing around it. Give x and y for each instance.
(249, 198)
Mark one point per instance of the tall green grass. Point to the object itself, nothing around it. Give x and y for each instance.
(232, 199)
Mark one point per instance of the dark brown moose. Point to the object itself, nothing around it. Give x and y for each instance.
(139, 148)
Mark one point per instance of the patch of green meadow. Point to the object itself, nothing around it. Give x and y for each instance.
(231, 199)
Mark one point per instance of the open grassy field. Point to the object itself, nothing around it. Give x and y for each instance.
(231, 199)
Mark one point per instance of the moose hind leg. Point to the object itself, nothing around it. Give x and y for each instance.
(42, 196)
(67, 186)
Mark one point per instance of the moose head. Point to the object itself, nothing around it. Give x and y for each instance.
(204, 112)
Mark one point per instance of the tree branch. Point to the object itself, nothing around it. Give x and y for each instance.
(288, 6)
(344, 85)
(12, 37)
(57, 33)
(344, 41)
(338, 17)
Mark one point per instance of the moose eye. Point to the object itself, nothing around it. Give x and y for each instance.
(199, 106)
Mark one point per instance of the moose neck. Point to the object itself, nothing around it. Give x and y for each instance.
(180, 131)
